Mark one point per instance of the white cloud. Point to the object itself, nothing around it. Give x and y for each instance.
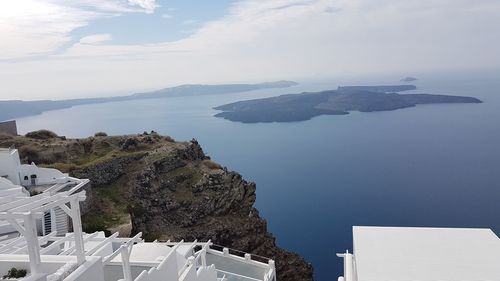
(148, 5)
(116, 6)
(280, 39)
(167, 16)
(35, 27)
(95, 39)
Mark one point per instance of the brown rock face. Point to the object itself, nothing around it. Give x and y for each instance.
(167, 190)
(187, 200)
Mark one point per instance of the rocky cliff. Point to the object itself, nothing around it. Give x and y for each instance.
(166, 189)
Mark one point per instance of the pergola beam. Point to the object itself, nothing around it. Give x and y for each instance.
(44, 204)
(11, 244)
(71, 249)
(36, 202)
(61, 202)
(28, 209)
(41, 240)
(102, 243)
(56, 243)
(17, 225)
(131, 241)
(21, 202)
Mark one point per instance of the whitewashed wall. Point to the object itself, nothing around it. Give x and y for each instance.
(10, 165)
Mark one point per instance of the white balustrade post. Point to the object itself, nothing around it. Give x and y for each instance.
(349, 272)
(127, 273)
(272, 264)
(204, 258)
(30, 234)
(78, 233)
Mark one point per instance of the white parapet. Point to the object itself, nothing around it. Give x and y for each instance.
(422, 253)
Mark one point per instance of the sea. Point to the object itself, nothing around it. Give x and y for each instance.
(427, 166)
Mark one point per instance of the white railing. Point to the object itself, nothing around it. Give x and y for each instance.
(136, 239)
(155, 272)
(189, 262)
(202, 254)
(349, 267)
(247, 258)
(191, 247)
(269, 275)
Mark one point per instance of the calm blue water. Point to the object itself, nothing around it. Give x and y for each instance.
(433, 165)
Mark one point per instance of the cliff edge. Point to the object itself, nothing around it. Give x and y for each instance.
(166, 189)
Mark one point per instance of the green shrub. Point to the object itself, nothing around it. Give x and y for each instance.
(100, 134)
(34, 192)
(42, 135)
(137, 210)
(155, 136)
(91, 228)
(29, 154)
(40, 155)
(4, 136)
(130, 143)
(15, 273)
(87, 144)
(63, 167)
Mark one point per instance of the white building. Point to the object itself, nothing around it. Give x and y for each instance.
(49, 254)
(423, 254)
(24, 174)
(19, 179)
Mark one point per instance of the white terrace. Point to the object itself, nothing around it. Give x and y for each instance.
(424, 254)
(36, 243)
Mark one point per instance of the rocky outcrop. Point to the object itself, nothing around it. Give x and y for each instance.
(105, 172)
(167, 190)
(185, 199)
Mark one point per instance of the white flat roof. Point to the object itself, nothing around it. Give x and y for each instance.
(147, 252)
(425, 254)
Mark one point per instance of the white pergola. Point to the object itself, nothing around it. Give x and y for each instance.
(22, 213)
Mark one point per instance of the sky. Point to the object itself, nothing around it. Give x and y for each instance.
(57, 49)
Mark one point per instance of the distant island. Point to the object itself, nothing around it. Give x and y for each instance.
(199, 90)
(304, 106)
(381, 89)
(408, 79)
(11, 109)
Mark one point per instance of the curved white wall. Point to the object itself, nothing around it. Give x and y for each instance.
(43, 175)
(11, 169)
(10, 165)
